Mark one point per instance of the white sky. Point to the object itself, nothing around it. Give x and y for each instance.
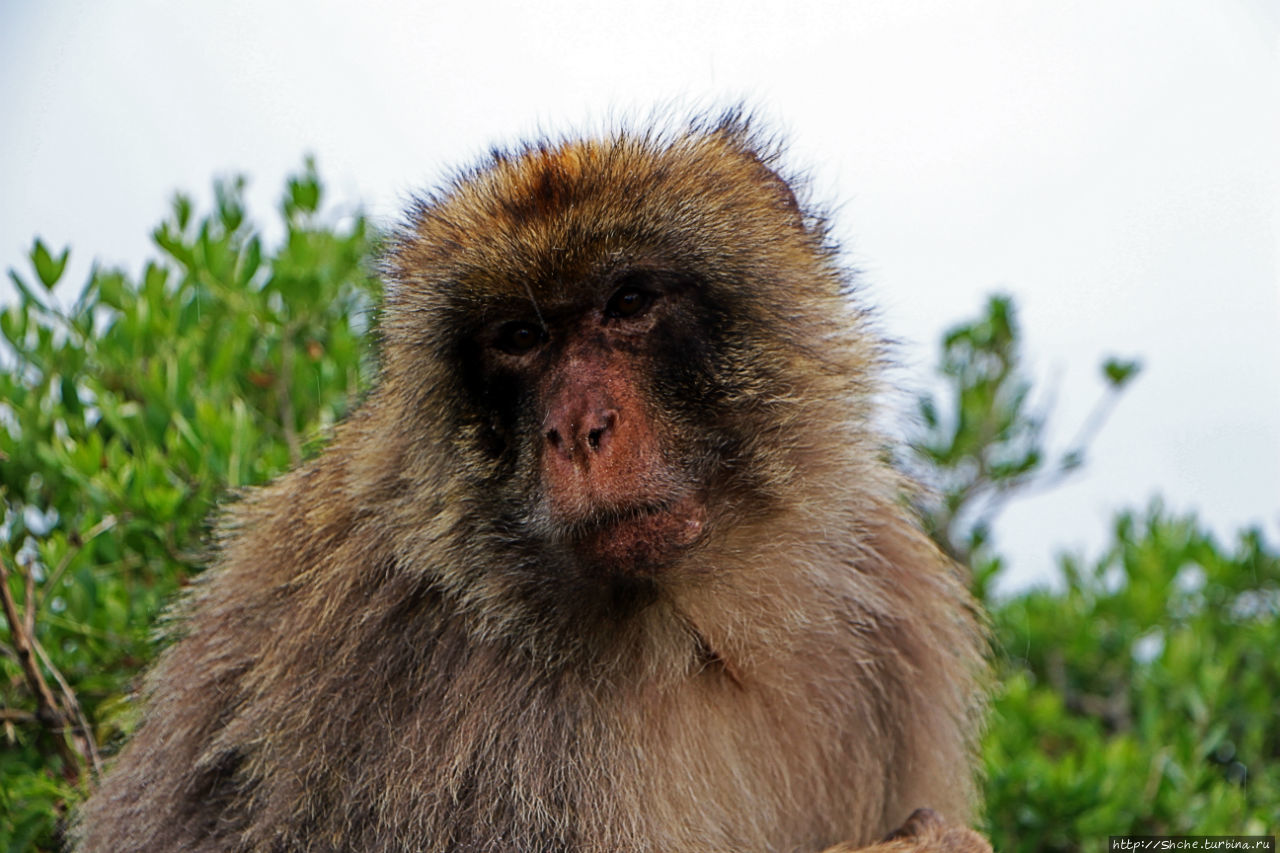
(1114, 165)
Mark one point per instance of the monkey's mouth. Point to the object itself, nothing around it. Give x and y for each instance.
(642, 538)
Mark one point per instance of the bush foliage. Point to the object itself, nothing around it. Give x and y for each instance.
(1139, 699)
(125, 418)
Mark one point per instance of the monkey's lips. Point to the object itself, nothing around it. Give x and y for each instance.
(644, 538)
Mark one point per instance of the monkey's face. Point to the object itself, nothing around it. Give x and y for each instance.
(618, 346)
(597, 409)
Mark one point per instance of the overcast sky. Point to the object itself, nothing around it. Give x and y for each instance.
(1114, 165)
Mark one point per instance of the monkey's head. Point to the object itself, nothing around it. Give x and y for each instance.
(618, 350)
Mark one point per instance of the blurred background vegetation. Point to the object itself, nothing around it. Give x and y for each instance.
(1136, 694)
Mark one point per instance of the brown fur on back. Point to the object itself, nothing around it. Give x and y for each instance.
(374, 664)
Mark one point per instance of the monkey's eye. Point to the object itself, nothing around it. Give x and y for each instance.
(519, 338)
(628, 301)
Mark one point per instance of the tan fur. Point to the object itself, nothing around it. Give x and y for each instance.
(370, 666)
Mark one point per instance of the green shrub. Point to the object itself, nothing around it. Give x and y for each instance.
(125, 418)
(1141, 700)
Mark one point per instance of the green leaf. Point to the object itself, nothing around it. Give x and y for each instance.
(25, 291)
(304, 193)
(1118, 372)
(70, 398)
(13, 324)
(250, 260)
(229, 198)
(182, 210)
(172, 244)
(112, 289)
(48, 268)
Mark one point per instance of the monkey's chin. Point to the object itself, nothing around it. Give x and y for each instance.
(646, 541)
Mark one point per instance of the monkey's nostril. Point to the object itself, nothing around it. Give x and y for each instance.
(604, 422)
(579, 433)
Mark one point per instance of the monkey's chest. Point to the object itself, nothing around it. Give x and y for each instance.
(704, 765)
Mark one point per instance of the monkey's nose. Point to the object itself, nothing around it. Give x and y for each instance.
(583, 434)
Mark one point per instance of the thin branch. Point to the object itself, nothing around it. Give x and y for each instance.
(20, 636)
(85, 742)
(1092, 424)
(14, 715)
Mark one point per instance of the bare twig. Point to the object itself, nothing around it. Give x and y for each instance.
(20, 640)
(85, 742)
(14, 715)
(21, 636)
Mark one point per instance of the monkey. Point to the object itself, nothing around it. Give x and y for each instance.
(610, 558)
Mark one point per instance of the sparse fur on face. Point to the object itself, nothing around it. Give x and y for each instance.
(609, 560)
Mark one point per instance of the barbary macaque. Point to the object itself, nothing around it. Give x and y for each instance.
(609, 560)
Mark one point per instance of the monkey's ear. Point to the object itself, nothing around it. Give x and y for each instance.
(735, 129)
(786, 195)
(782, 192)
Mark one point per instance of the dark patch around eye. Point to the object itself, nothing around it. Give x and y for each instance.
(518, 338)
(690, 345)
(492, 396)
(633, 295)
(629, 302)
